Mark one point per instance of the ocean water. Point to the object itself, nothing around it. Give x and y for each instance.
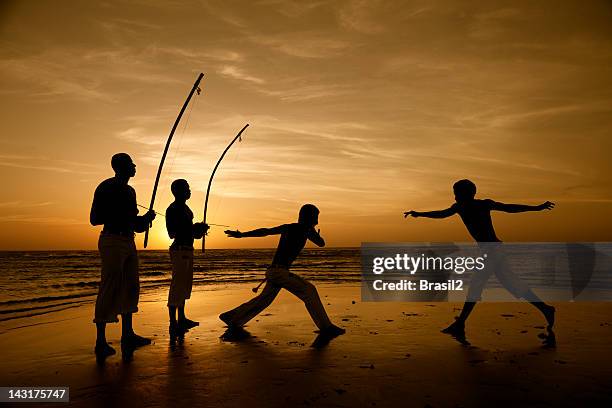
(35, 282)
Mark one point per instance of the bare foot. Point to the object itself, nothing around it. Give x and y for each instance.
(549, 339)
(104, 350)
(332, 331)
(227, 319)
(456, 328)
(187, 324)
(134, 341)
(235, 334)
(326, 335)
(457, 332)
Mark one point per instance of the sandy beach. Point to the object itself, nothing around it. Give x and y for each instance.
(392, 354)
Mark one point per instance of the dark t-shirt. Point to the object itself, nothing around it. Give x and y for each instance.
(476, 215)
(179, 223)
(114, 205)
(292, 240)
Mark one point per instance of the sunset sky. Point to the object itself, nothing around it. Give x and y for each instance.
(363, 108)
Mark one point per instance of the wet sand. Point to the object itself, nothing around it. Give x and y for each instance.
(392, 355)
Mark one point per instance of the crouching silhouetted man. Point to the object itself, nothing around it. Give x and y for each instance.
(114, 206)
(293, 237)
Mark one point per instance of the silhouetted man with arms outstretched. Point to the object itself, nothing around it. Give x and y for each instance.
(476, 215)
(114, 206)
(292, 240)
(180, 226)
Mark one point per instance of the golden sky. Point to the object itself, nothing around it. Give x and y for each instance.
(364, 108)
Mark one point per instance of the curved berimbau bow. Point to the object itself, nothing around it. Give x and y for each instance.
(161, 163)
(213, 175)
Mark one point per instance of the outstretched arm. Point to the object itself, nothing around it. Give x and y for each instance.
(432, 214)
(517, 208)
(260, 232)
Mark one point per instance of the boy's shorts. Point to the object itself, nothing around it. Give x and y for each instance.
(182, 276)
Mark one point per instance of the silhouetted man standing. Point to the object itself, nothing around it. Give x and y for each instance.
(114, 206)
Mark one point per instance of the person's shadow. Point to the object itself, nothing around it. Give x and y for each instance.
(127, 353)
(101, 360)
(239, 334)
(177, 338)
(549, 339)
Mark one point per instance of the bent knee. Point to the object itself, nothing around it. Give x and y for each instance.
(310, 290)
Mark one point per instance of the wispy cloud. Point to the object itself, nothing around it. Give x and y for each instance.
(24, 218)
(307, 92)
(53, 78)
(141, 135)
(292, 8)
(510, 118)
(196, 55)
(378, 103)
(234, 72)
(357, 15)
(303, 44)
(24, 204)
(92, 74)
(42, 163)
(220, 11)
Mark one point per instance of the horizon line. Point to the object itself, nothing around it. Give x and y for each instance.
(145, 250)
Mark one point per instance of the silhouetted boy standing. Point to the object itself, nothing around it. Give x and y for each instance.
(180, 226)
(476, 215)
